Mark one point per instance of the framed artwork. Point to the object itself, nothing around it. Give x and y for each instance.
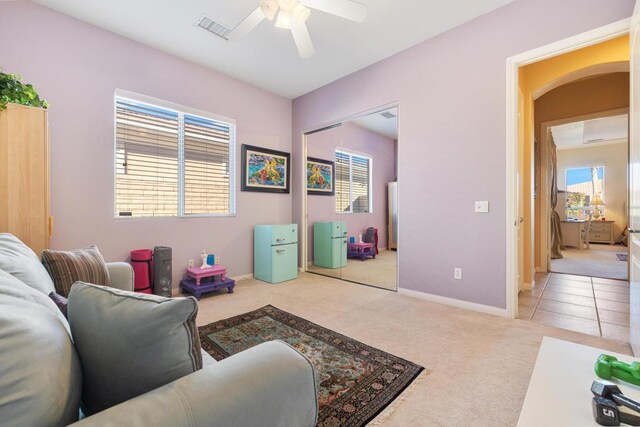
(265, 170)
(321, 175)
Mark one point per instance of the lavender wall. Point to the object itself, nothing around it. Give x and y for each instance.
(451, 94)
(382, 152)
(77, 67)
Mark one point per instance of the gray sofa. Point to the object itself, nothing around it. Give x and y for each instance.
(41, 379)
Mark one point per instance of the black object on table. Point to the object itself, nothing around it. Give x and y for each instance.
(606, 413)
(613, 392)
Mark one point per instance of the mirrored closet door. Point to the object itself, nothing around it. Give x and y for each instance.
(326, 230)
(352, 224)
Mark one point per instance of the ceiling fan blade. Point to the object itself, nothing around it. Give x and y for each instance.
(303, 40)
(348, 9)
(247, 25)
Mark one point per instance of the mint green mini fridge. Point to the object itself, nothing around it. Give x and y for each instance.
(275, 252)
(330, 244)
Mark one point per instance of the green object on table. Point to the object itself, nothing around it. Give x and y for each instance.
(608, 367)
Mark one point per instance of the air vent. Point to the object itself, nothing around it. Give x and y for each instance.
(213, 27)
(593, 141)
(387, 115)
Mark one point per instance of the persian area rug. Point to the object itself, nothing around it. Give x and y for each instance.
(622, 257)
(355, 382)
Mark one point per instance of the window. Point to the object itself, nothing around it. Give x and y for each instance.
(353, 183)
(172, 161)
(583, 184)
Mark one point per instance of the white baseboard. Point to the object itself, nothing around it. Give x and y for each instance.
(528, 286)
(487, 309)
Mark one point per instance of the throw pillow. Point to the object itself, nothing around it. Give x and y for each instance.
(61, 302)
(68, 267)
(40, 376)
(21, 262)
(130, 343)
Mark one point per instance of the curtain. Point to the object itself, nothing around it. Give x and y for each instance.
(556, 232)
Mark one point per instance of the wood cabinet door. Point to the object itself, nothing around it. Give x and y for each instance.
(24, 175)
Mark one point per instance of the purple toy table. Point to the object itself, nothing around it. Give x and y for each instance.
(203, 280)
(360, 250)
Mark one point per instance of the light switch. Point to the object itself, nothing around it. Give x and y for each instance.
(482, 206)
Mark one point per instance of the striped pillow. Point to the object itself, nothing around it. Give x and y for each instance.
(68, 267)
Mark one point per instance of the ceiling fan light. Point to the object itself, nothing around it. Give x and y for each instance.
(284, 20)
(300, 14)
(287, 5)
(269, 8)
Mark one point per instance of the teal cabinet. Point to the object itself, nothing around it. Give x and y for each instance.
(330, 244)
(275, 252)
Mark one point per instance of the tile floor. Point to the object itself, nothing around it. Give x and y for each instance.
(584, 304)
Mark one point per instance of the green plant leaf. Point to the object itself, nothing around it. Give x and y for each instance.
(12, 90)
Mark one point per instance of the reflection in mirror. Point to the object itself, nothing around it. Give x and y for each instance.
(353, 233)
(327, 247)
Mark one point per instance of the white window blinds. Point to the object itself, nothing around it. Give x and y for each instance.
(343, 197)
(171, 163)
(353, 183)
(146, 160)
(360, 184)
(206, 166)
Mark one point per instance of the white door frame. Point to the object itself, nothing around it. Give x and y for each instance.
(579, 41)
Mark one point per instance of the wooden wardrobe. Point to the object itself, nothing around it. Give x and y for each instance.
(24, 175)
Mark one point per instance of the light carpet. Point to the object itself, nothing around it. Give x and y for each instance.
(380, 271)
(474, 358)
(598, 261)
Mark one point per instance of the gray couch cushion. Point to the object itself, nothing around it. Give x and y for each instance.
(40, 375)
(269, 385)
(130, 343)
(20, 261)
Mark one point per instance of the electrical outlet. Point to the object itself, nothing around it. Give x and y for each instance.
(457, 273)
(482, 206)
(191, 262)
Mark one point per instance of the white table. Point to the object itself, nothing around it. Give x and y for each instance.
(559, 392)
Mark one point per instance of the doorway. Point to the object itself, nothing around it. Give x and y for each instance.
(351, 221)
(591, 154)
(580, 159)
(521, 126)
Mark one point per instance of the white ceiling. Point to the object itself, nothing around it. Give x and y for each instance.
(379, 124)
(267, 58)
(602, 131)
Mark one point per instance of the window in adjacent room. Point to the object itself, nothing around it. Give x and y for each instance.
(353, 183)
(583, 184)
(171, 161)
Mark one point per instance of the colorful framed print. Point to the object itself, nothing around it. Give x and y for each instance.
(265, 170)
(321, 175)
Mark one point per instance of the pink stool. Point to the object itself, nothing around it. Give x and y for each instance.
(200, 273)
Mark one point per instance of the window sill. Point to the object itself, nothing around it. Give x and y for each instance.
(129, 218)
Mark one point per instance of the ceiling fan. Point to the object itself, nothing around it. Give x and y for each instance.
(293, 14)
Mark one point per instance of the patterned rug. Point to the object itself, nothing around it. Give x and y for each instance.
(355, 382)
(622, 257)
